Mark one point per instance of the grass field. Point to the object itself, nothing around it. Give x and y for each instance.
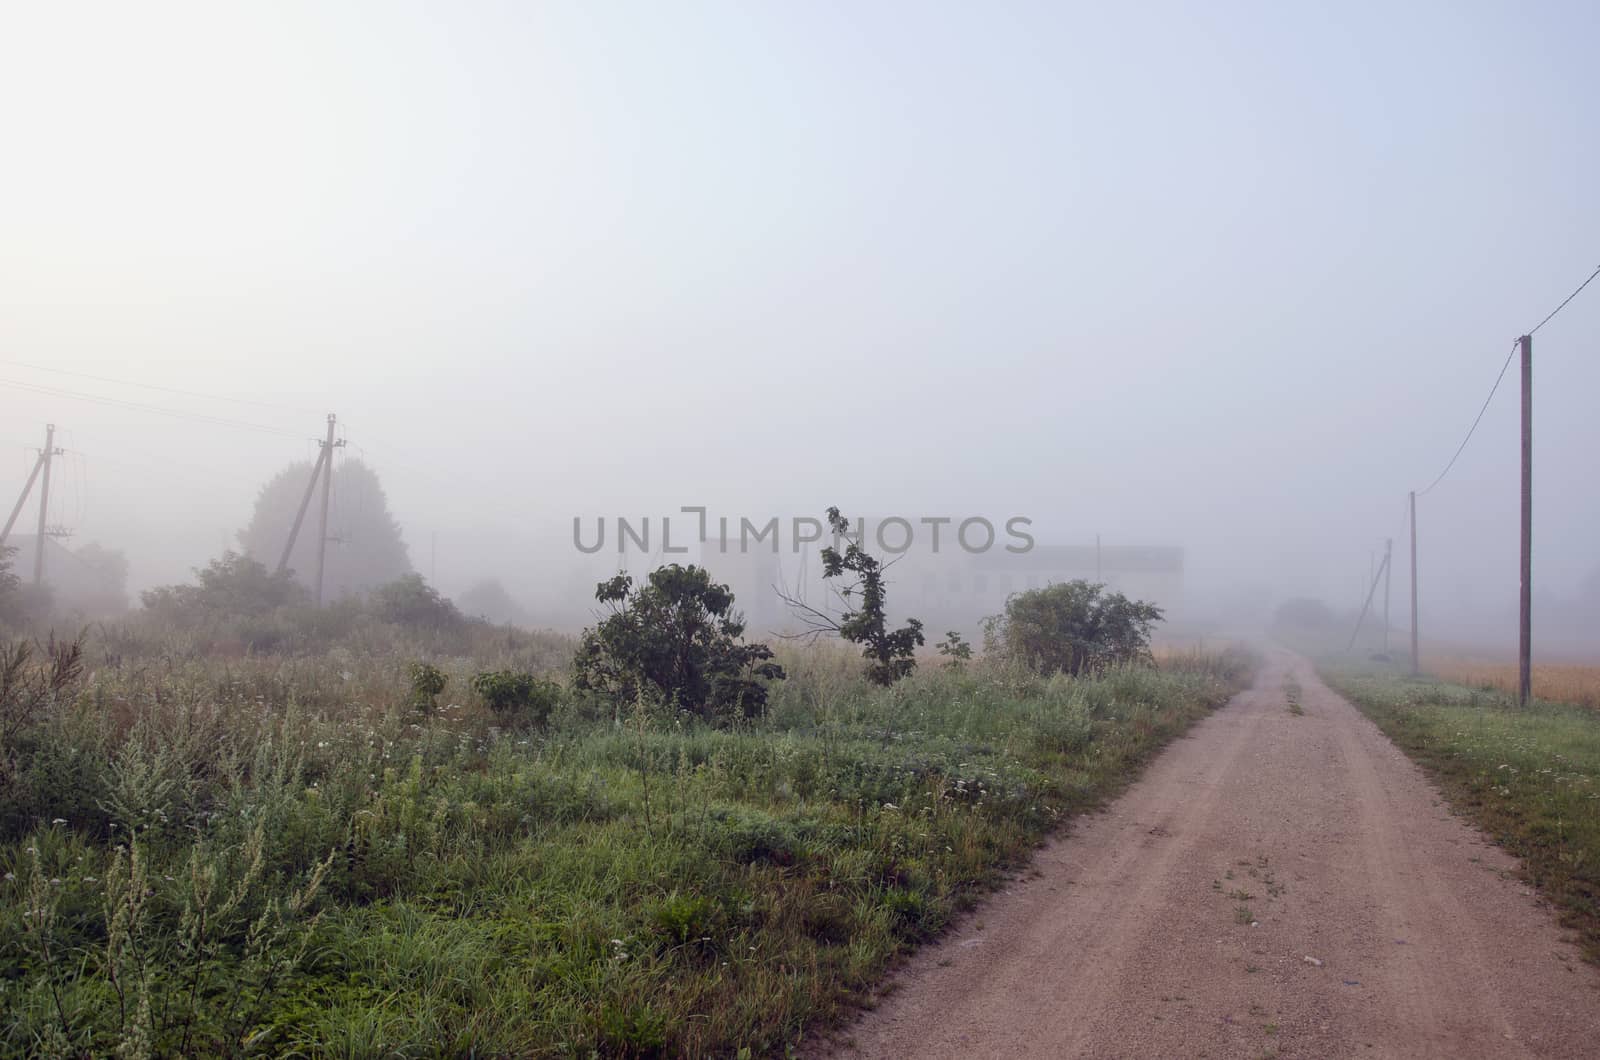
(1529, 776)
(280, 856)
(1557, 682)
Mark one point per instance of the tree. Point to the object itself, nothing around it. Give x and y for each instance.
(890, 653)
(676, 637)
(1073, 627)
(367, 550)
(110, 567)
(1305, 613)
(489, 601)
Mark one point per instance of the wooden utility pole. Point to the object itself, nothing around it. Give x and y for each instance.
(300, 513)
(1525, 629)
(1388, 554)
(322, 523)
(321, 471)
(27, 488)
(1415, 665)
(44, 501)
(1367, 603)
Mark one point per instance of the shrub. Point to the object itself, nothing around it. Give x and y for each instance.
(676, 637)
(427, 681)
(29, 685)
(750, 837)
(1073, 627)
(411, 601)
(680, 919)
(230, 585)
(10, 588)
(513, 695)
(956, 651)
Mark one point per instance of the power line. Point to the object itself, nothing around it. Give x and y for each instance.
(163, 389)
(1497, 380)
(1569, 298)
(198, 417)
(1475, 423)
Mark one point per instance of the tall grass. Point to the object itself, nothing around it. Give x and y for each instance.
(277, 856)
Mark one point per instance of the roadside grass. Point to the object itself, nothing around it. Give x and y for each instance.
(1528, 776)
(267, 856)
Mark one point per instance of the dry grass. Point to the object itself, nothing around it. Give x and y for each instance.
(1556, 682)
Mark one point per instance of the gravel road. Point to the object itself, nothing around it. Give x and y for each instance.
(1274, 885)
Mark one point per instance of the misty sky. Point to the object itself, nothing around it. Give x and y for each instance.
(1227, 276)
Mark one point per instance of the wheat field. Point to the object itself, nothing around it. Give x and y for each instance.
(1558, 682)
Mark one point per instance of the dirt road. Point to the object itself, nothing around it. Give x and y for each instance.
(1178, 923)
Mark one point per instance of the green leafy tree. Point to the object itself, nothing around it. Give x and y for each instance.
(890, 653)
(677, 637)
(367, 550)
(1073, 627)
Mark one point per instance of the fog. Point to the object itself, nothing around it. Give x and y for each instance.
(1231, 279)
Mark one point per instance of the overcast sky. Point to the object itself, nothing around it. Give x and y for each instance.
(1228, 276)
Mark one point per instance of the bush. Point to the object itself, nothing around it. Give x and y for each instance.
(411, 601)
(230, 585)
(427, 681)
(517, 696)
(677, 637)
(1073, 627)
(681, 919)
(956, 651)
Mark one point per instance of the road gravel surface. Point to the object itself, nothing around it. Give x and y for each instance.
(1275, 885)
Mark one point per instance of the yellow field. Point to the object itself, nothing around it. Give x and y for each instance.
(1559, 682)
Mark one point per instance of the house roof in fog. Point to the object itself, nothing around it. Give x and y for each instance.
(1085, 559)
